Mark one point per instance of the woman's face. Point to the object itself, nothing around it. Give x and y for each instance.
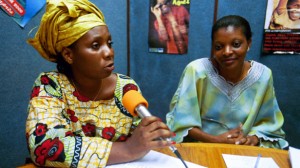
(93, 55)
(230, 47)
(163, 6)
(294, 10)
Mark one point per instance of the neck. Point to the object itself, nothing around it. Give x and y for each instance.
(233, 76)
(90, 90)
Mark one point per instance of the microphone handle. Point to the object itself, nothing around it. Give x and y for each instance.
(144, 112)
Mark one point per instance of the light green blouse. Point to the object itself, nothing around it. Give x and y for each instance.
(205, 100)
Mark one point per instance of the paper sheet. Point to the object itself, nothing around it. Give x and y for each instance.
(294, 154)
(238, 161)
(156, 160)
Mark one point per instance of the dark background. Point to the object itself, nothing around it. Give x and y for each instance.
(157, 74)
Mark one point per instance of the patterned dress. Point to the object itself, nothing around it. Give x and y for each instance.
(64, 129)
(206, 100)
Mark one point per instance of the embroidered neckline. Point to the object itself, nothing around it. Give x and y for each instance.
(233, 91)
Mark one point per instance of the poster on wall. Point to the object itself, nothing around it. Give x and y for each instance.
(21, 11)
(282, 27)
(169, 26)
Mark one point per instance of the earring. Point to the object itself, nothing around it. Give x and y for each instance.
(248, 49)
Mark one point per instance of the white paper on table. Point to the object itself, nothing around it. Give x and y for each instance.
(238, 161)
(156, 160)
(294, 154)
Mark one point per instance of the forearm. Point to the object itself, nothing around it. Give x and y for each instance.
(162, 32)
(120, 153)
(197, 134)
(178, 34)
(281, 6)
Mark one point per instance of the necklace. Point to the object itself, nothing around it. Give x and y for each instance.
(82, 96)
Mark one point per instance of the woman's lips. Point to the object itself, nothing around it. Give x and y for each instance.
(110, 67)
(229, 61)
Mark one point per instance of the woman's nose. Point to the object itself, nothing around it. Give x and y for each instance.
(227, 50)
(108, 52)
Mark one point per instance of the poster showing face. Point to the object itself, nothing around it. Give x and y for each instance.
(282, 27)
(169, 26)
(21, 11)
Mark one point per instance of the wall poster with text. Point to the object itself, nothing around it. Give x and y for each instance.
(282, 27)
(169, 26)
(21, 11)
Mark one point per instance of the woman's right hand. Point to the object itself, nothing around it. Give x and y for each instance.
(156, 10)
(146, 136)
(143, 139)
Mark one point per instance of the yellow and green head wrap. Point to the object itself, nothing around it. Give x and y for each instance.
(64, 22)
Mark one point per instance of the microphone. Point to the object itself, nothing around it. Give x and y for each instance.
(137, 105)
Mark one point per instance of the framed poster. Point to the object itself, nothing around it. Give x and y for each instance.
(21, 11)
(282, 27)
(169, 26)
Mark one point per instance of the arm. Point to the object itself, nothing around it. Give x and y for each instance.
(159, 24)
(199, 135)
(281, 7)
(143, 139)
(178, 26)
(269, 122)
(265, 120)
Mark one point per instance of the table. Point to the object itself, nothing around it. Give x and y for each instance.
(210, 154)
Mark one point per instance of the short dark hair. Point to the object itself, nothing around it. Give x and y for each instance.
(154, 2)
(235, 21)
(63, 67)
(291, 1)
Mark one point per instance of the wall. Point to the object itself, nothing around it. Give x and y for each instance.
(157, 74)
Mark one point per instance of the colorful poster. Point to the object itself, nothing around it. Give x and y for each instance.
(169, 26)
(21, 10)
(282, 27)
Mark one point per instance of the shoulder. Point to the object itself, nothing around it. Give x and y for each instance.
(45, 78)
(264, 71)
(124, 79)
(199, 65)
(260, 66)
(126, 83)
(47, 84)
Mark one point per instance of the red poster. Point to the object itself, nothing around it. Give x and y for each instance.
(169, 26)
(282, 27)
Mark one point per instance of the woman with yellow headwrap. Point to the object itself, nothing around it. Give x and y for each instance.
(75, 114)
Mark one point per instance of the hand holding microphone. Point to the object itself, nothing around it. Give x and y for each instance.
(135, 103)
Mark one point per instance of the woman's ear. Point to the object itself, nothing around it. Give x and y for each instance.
(67, 55)
(249, 44)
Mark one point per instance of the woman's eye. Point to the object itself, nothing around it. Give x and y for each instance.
(95, 45)
(218, 47)
(236, 44)
(110, 43)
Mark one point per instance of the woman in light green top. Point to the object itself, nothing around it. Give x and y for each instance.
(226, 99)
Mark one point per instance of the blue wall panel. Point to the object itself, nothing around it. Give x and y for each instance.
(158, 74)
